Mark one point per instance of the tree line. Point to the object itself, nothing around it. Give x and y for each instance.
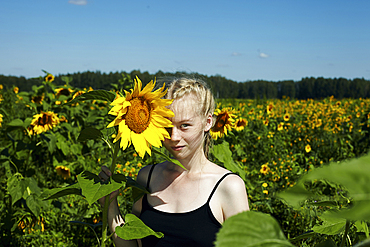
(306, 88)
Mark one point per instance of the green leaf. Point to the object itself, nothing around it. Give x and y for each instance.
(94, 189)
(330, 225)
(51, 141)
(223, 154)
(89, 133)
(134, 228)
(27, 122)
(16, 187)
(295, 195)
(353, 174)
(94, 95)
(32, 186)
(64, 147)
(251, 229)
(175, 161)
(20, 187)
(33, 203)
(16, 123)
(59, 192)
(76, 149)
(361, 226)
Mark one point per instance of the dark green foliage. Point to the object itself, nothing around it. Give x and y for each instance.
(306, 88)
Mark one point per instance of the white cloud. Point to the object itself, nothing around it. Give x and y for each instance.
(263, 55)
(78, 2)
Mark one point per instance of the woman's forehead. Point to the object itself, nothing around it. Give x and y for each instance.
(185, 107)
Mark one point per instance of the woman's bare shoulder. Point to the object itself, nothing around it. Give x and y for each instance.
(234, 198)
(142, 177)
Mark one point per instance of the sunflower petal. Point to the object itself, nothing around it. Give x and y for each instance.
(147, 89)
(140, 144)
(124, 134)
(115, 122)
(152, 136)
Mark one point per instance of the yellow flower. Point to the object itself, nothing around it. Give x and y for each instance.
(16, 90)
(63, 119)
(308, 148)
(240, 124)
(266, 192)
(1, 119)
(264, 185)
(266, 122)
(43, 122)
(63, 91)
(38, 99)
(224, 121)
(1, 86)
(78, 93)
(269, 108)
(142, 117)
(49, 78)
(63, 171)
(264, 169)
(286, 117)
(280, 126)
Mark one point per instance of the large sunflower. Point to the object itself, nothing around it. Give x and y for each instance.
(224, 121)
(43, 122)
(142, 117)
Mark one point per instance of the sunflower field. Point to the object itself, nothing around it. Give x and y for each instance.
(280, 148)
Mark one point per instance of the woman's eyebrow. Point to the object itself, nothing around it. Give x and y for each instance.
(185, 120)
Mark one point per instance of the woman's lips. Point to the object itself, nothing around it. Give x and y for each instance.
(177, 148)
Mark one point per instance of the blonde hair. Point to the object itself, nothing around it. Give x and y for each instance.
(182, 86)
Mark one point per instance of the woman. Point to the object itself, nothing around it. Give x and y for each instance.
(188, 206)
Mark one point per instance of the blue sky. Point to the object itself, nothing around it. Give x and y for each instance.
(240, 40)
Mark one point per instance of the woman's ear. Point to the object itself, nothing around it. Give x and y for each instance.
(209, 123)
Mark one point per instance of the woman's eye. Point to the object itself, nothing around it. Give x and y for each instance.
(184, 125)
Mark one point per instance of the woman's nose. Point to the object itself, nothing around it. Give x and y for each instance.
(175, 134)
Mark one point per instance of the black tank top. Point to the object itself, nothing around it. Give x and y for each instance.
(191, 229)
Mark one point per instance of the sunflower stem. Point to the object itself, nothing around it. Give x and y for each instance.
(107, 197)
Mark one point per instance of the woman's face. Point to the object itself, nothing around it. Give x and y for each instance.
(188, 128)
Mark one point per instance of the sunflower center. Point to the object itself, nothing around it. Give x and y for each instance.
(240, 123)
(220, 122)
(44, 120)
(138, 115)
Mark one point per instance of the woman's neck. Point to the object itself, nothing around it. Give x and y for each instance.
(196, 163)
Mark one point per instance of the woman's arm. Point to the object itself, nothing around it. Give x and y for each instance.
(114, 216)
(115, 219)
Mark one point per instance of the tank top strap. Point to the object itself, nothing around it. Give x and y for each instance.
(149, 176)
(217, 184)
